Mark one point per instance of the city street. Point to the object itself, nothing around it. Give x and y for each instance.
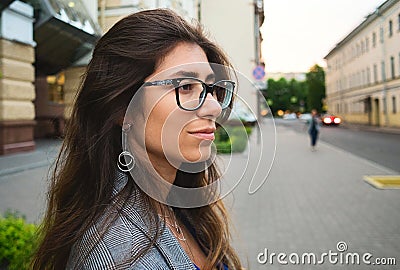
(309, 203)
(380, 147)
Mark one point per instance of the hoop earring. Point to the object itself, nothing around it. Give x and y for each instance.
(130, 162)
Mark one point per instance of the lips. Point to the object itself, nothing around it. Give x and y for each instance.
(204, 134)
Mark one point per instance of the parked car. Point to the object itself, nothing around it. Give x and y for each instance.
(331, 120)
(290, 116)
(305, 117)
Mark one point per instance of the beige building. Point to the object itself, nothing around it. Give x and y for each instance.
(363, 70)
(298, 76)
(17, 74)
(234, 25)
(111, 11)
(236, 31)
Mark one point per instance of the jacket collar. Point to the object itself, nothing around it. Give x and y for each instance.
(136, 211)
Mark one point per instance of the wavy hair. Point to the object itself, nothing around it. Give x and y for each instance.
(85, 169)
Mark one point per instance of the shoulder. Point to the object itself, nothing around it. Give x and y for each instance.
(121, 234)
(115, 248)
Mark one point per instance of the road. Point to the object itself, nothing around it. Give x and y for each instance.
(381, 148)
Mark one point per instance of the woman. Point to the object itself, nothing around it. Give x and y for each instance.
(99, 216)
(313, 128)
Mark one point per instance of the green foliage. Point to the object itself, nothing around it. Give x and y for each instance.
(297, 96)
(286, 95)
(248, 130)
(232, 139)
(316, 87)
(17, 241)
(224, 147)
(238, 144)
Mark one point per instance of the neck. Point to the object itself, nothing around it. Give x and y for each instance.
(164, 168)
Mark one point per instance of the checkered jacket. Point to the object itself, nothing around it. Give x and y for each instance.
(122, 241)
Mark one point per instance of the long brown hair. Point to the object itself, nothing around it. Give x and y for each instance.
(85, 170)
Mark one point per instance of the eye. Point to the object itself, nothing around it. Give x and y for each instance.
(186, 87)
(189, 86)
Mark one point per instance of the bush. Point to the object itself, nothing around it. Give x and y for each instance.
(239, 144)
(248, 130)
(224, 147)
(233, 139)
(17, 241)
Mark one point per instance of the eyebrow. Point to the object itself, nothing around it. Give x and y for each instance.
(193, 74)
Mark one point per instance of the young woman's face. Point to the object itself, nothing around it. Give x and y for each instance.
(173, 133)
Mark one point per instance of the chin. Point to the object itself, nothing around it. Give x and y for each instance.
(200, 154)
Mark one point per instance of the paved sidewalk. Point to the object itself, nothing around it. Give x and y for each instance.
(43, 155)
(23, 179)
(310, 202)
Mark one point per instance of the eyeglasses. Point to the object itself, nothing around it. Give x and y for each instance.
(191, 92)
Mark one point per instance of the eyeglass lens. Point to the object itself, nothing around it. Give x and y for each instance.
(192, 93)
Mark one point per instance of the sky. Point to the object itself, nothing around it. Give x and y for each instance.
(298, 33)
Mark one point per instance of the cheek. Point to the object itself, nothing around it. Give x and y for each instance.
(164, 123)
(166, 136)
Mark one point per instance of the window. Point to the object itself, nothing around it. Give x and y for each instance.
(56, 88)
(381, 32)
(374, 39)
(362, 47)
(358, 50)
(398, 22)
(368, 75)
(392, 67)
(383, 71)
(361, 75)
(384, 105)
(390, 28)
(375, 73)
(367, 44)
(394, 109)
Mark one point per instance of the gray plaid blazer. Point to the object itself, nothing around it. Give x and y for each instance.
(125, 237)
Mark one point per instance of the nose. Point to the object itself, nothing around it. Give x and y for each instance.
(210, 109)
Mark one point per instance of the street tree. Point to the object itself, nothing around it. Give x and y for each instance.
(315, 81)
(285, 95)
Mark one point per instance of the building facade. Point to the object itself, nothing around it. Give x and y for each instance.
(111, 11)
(240, 38)
(39, 40)
(298, 76)
(36, 100)
(363, 70)
(234, 25)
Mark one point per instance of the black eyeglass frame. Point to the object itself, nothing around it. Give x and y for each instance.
(207, 88)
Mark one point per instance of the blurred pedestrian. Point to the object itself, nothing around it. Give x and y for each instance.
(99, 216)
(313, 128)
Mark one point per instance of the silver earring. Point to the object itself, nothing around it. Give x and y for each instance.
(126, 161)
